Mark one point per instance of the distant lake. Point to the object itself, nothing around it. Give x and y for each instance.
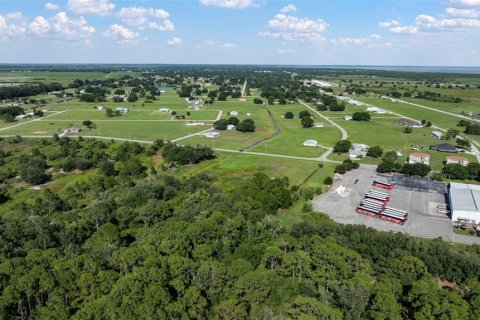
(464, 70)
(165, 87)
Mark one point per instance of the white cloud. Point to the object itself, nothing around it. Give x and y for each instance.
(389, 24)
(295, 29)
(39, 26)
(347, 41)
(97, 7)
(62, 27)
(468, 3)
(51, 6)
(467, 13)
(121, 33)
(175, 42)
(229, 4)
(213, 45)
(12, 25)
(426, 23)
(289, 8)
(142, 18)
(282, 52)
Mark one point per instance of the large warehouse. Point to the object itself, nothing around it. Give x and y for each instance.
(465, 202)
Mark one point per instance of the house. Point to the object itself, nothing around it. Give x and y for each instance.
(121, 109)
(347, 118)
(231, 127)
(376, 110)
(21, 116)
(164, 110)
(360, 147)
(212, 134)
(99, 107)
(72, 130)
(318, 125)
(444, 147)
(458, 160)
(194, 123)
(310, 143)
(355, 154)
(419, 157)
(437, 134)
(234, 113)
(410, 123)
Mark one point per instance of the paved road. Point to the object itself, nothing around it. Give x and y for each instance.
(342, 130)
(273, 155)
(25, 122)
(436, 110)
(244, 87)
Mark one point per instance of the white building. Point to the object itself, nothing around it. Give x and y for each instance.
(122, 109)
(318, 125)
(310, 143)
(457, 160)
(231, 127)
(464, 202)
(164, 110)
(212, 134)
(195, 123)
(437, 134)
(234, 113)
(99, 107)
(360, 147)
(419, 157)
(347, 118)
(355, 154)
(376, 110)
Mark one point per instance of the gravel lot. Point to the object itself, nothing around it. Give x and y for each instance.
(423, 219)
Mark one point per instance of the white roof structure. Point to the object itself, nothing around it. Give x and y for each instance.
(465, 201)
(164, 110)
(231, 127)
(212, 134)
(310, 143)
(234, 113)
(437, 134)
(360, 146)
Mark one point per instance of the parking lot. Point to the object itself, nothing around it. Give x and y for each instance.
(423, 219)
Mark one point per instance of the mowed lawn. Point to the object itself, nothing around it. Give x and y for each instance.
(458, 108)
(116, 129)
(237, 166)
(292, 134)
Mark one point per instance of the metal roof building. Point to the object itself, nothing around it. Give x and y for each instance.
(465, 202)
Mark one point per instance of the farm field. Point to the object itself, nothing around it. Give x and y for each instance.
(458, 108)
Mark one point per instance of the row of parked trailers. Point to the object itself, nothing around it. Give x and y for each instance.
(375, 205)
(382, 184)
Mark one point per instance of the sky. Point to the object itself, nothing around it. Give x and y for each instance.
(322, 32)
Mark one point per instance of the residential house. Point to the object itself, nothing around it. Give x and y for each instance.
(347, 118)
(458, 160)
(194, 123)
(410, 123)
(360, 147)
(355, 154)
(376, 110)
(444, 147)
(165, 110)
(437, 134)
(231, 127)
(419, 157)
(122, 109)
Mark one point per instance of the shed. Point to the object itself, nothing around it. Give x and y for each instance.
(212, 134)
(310, 143)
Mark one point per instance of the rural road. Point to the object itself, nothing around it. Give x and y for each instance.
(25, 122)
(436, 110)
(244, 87)
(324, 156)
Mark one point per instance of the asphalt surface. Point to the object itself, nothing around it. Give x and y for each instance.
(423, 220)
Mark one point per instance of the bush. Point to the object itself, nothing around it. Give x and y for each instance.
(247, 125)
(342, 146)
(416, 169)
(220, 124)
(328, 181)
(375, 152)
(307, 122)
(361, 116)
(289, 115)
(307, 207)
(407, 130)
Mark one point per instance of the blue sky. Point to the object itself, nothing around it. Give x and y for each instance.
(241, 32)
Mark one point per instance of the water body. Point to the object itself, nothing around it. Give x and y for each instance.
(433, 69)
(165, 87)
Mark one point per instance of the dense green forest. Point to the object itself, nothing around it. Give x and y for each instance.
(110, 237)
